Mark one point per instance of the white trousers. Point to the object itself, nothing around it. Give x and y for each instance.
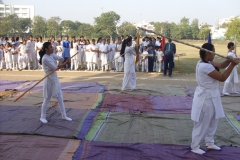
(60, 103)
(74, 64)
(226, 85)
(119, 66)
(129, 79)
(8, 65)
(1, 64)
(145, 65)
(206, 127)
(158, 67)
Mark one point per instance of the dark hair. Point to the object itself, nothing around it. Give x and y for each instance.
(202, 53)
(230, 44)
(124, 44)
(43, 51)
(100, 38)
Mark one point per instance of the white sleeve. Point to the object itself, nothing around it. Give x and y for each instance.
(49, 63)
(208, 68)
(131, 50)
(58, 58)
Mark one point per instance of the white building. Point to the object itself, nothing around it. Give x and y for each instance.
(23, 11)
(226, 20)
(218, 33)
(145, 25)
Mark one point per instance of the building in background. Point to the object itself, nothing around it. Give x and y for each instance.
(145, 25)
(23, 11)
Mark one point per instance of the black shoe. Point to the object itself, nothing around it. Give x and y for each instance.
(164, 75)
(170, 76)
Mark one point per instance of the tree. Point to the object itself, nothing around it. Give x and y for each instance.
(233, 28)
(12, 22)
(184, 27)
(4, 27)
(23, 25)
(85, 30)
(195, 28)
(53, 27)
(106, 23)
(224, 25)
(39, 26)
(204, 31)
(68, 27)
(127, 28)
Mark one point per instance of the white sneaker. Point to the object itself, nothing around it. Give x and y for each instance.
(43, 120)
(212, 146)
(67, 118)
(198, 151)
(235, 92)
(225, 93)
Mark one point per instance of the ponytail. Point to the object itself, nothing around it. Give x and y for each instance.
(42, 52)
(124, 44)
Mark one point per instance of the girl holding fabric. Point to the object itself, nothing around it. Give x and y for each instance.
(207, 106)
(233, 78)
(129, 52)
(51, 86)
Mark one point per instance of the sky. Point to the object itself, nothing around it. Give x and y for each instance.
(206, 11)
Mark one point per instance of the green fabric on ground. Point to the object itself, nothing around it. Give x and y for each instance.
(234, 121)
(150, 89)
(231, 105)
(155, 128)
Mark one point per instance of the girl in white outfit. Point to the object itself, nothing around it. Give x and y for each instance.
(39, 45)
(1, 57)
(8, 56)
(129, 78)
(99, 42)
(14, 56)
(233, 78)
(207, 106)
(94, 51)
(22, 56)
(88, 55)
(159, 58)
(74, 50)
(51, 86)
(31, 53)
(145, 60)
(118, 58)
(81, 55)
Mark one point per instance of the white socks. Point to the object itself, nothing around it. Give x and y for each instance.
(66, 118)
(43, 120)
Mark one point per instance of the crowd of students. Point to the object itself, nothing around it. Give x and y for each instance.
(91, 55)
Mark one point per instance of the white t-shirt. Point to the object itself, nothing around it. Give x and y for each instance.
(202, 77)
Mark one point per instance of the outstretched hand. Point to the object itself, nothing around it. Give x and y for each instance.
(235, 61)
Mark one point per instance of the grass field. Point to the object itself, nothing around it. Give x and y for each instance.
(188, 62)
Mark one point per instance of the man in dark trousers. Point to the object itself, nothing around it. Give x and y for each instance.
(169, 52)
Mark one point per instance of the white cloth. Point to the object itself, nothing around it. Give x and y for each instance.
(60, 50)
(233, 77)
(22, 57)
(94, 54)
(159, 56)
(104, 56)
(30, 49)
(81, 53)
(54, 45)
(51, 85)
(117, 56)
(206, 128)
(145, 62)
(1, 59)
(129, 78)
(39, 45)
(207, 89)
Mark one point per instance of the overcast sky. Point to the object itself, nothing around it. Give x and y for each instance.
(135, 10)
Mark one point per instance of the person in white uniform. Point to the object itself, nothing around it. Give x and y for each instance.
(94, 53)
(104, 51)
(14, 56)
(118, 58)
(73, 51)
(38, 48)
(8, 56)
(99, 42)
(22, 56)
(144, 60)
(1, 57)
(113, 45)
(51, 86)
(233, 78)
(207, 106)
(159, 58)
(129, 52)
(31, 53)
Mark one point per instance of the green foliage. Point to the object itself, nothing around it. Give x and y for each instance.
(233, 28)
(127, 28)
(39, 26)
(204, 31)
(24, 24)
(105, 24)
(195, 29)
(53, 27)
(224, 25)
(86, 30)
